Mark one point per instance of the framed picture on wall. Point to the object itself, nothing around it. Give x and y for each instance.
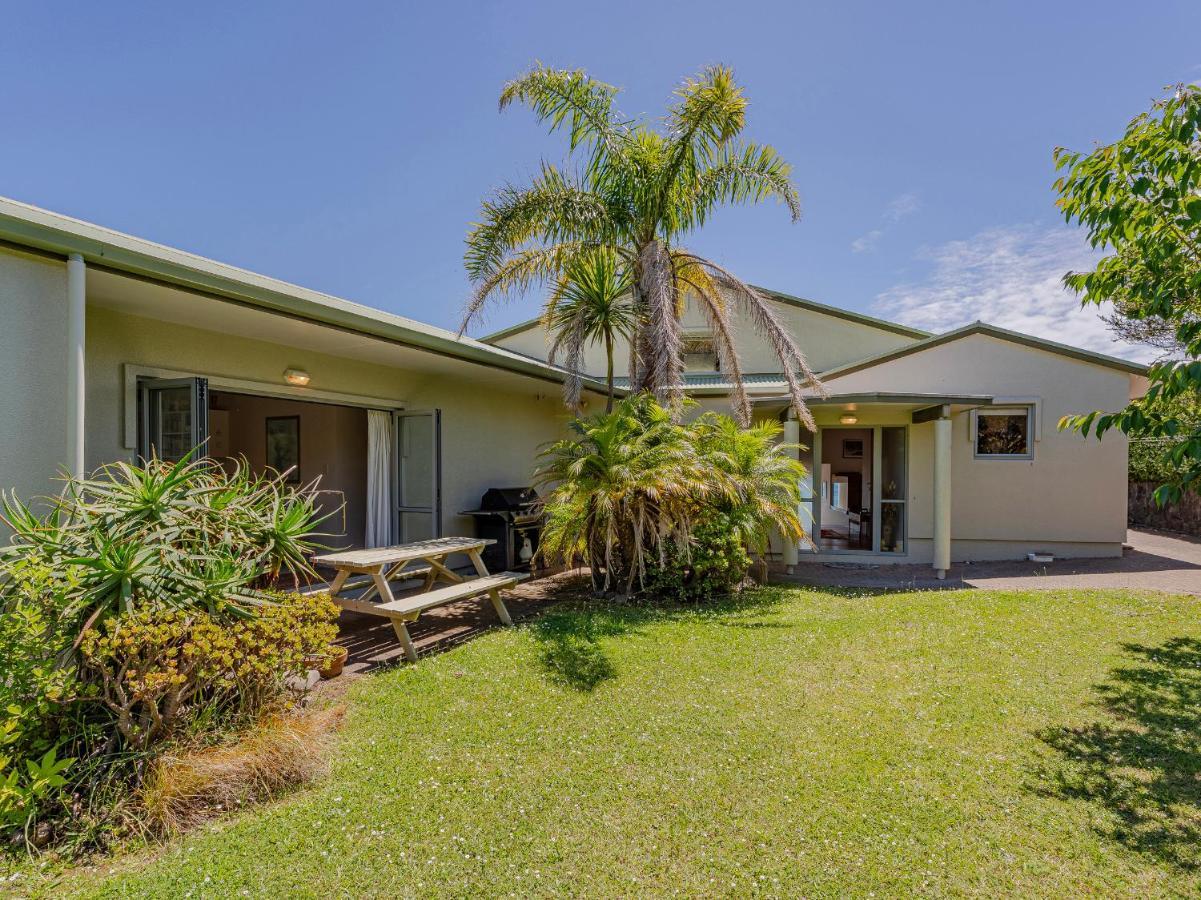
(852, 448)
(283, 445)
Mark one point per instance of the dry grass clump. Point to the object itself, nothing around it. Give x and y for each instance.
(281, 752)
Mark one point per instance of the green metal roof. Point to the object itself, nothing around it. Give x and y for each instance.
(800, 302)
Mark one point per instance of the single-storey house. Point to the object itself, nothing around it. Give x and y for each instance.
(111, 345)
(930, 448)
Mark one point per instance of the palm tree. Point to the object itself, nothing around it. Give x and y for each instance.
(638, 192)
(762, 475)
(620, 487)
(591, 304)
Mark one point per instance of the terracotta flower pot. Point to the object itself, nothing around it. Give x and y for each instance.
(332, 664)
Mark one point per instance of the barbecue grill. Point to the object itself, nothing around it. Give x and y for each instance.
(513, 518)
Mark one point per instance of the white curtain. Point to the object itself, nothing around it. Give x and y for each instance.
(379, 478)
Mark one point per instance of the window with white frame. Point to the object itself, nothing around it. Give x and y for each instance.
(1004, 433)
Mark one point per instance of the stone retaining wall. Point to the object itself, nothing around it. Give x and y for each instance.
(1184, 516)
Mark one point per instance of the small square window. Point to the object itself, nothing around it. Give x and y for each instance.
(1003, 433)
(699, 353)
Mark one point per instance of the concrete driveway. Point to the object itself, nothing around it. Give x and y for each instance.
(1151, 560)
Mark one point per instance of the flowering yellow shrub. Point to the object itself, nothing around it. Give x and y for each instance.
(155, 666)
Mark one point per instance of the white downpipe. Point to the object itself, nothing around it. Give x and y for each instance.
(76, 361)
(942, 496)
(792, 435)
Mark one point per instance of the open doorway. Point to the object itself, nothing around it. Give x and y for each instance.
(381, 467)
(846, 489)
(321, 440)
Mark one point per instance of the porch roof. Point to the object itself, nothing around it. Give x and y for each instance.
(853, 401)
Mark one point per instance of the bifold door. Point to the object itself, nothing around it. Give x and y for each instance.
(419, 475)
(172, 417)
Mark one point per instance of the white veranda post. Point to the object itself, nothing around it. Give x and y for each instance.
(75, 362)
(942, 495)
(792, 435)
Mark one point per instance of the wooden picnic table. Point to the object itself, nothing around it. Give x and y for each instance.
(422, 559)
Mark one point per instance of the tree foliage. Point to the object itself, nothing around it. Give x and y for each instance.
(637, 191)
(591, 303)
(1141, 198)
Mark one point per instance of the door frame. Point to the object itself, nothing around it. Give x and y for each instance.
(877, 491)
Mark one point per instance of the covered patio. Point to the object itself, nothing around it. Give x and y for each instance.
(897, 488)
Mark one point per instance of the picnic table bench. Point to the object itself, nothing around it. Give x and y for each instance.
(422, 559)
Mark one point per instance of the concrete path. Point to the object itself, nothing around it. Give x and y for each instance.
(1151, 561)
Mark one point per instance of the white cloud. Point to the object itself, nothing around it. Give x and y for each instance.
(898, 208)
(1011, 277)
(867, 241)
(901, 206)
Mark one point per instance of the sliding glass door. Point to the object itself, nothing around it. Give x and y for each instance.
(893, 490)
(856, 490)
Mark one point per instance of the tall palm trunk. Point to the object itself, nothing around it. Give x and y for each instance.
(660, 366)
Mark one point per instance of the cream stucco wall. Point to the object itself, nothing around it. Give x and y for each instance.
(490, 437)
(826, 340)
(1073, 491)
(33, 385)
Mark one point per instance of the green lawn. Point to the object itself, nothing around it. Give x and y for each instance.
(792, 743)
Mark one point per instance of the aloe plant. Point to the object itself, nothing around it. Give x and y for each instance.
(185, 535)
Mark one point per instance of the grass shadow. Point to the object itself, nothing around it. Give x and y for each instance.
(569, 636)
(1142, 765)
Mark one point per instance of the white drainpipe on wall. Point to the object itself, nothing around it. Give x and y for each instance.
(942, 496)
(76, 317)
(792, 435)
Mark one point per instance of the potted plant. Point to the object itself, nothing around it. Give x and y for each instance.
(331, 662)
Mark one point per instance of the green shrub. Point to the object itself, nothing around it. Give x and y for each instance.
(38, 694)
(714, 562)
(131, 610)
(155, 668)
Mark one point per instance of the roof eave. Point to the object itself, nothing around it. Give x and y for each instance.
(27, 226)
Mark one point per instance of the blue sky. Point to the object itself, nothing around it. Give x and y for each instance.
(347, 147)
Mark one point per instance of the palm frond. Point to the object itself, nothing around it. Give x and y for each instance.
(572, 98)
(751, 173)
(716, 313)
(518, 273)
(555, 207)
(759, 310)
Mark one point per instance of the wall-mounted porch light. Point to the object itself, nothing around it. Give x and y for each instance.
(298, 377)
(848, 419)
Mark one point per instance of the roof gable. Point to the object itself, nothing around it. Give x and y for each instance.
(993, 331)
